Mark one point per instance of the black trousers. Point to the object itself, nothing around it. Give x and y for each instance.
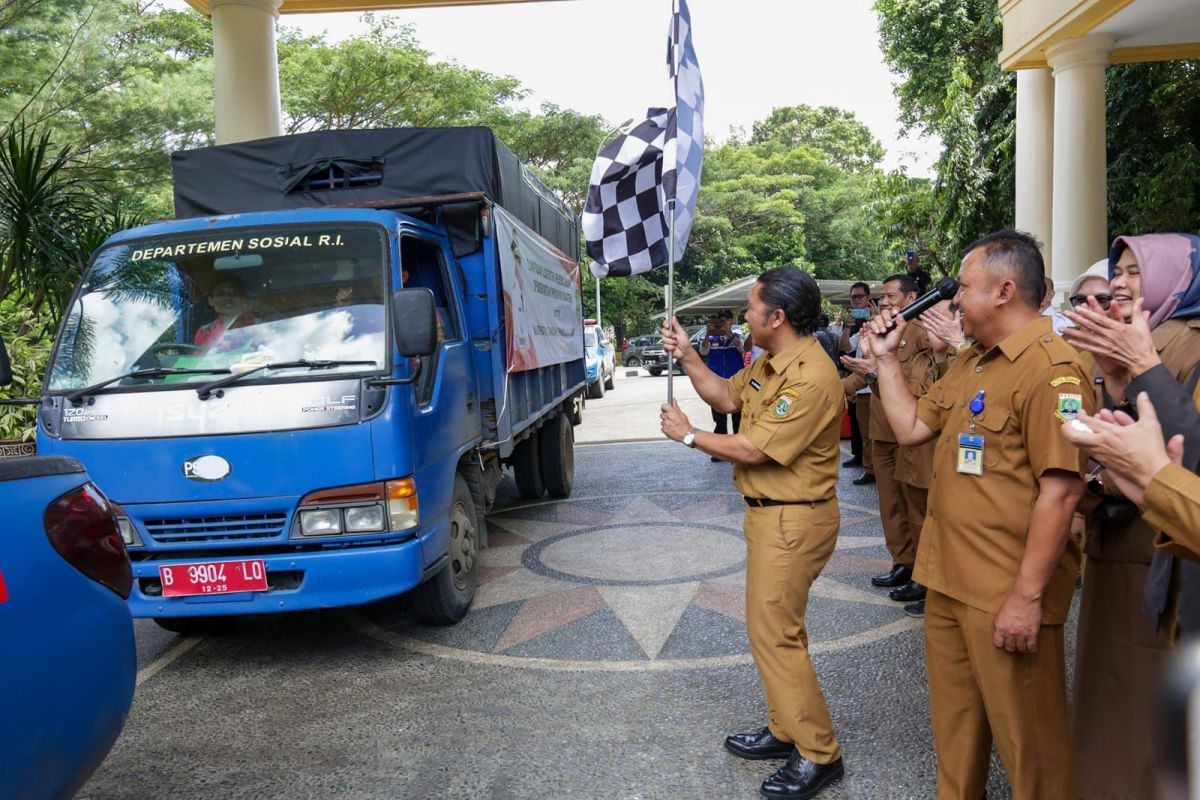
(723, 424)
(856, 444)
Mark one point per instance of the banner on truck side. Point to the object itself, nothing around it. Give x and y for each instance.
(543, 310)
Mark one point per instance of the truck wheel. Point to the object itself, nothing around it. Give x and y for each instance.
(577, 411)
(633, 363)
(194, 626)
(596, 389)
(445, 598)
(556, 446)
(608, 382)
(528, 469)
(656, 371)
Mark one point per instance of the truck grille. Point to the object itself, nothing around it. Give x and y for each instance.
(239, 528)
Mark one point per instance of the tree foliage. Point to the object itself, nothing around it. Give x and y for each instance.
(947, 51)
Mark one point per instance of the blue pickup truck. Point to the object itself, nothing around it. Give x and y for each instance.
(302, 392)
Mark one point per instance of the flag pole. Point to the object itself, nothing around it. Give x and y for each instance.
(671, 297)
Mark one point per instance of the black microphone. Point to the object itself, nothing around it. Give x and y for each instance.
(945, 289)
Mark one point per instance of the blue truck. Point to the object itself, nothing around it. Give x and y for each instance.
(303, 391)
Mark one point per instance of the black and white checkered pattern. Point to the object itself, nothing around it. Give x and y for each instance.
(635, 176)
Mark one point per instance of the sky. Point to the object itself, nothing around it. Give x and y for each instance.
(607, 57)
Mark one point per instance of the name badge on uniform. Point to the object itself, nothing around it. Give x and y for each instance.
(970, 454)
(755, 385)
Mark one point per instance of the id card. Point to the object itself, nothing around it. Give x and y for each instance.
(970, 454)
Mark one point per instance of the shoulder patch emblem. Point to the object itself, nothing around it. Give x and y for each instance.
(783, 403)
(1071, 379)
(1068, 406)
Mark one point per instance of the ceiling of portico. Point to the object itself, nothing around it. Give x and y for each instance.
(1145, 30)
(320, 6)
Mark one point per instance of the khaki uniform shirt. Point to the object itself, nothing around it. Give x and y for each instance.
(974, 535)
(1173, 508)
(914, 465)
(791, 406)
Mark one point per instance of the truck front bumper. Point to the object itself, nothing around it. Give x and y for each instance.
(298, 581)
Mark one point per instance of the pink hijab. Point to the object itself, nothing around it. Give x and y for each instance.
(1170, 268)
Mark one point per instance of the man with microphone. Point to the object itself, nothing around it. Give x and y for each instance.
(995, 553)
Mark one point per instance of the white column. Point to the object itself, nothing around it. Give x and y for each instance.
(1080, 216)
(246, 69)
(1035, 156)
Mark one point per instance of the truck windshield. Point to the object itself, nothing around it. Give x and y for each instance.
(179, 307)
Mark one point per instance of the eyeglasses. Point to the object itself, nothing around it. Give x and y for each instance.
(857, 296)
(1081, 300)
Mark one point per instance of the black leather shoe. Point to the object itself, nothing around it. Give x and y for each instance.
(758, 745)
(867, 478)
(898, 576)
(917, 611)
(908, 592)
(852, 462)
(800, 778)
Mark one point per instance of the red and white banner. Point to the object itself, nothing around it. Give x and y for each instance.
(543, 308)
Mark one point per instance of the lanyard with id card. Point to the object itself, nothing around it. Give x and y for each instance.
(970, 446)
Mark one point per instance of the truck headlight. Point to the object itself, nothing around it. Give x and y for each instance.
(321, 522)
(363, 519)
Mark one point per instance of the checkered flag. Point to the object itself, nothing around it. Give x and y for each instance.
(636, 175)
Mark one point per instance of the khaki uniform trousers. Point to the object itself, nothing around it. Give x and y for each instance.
(978, 691)
(862, 411)
(893, 510)
(786, 547)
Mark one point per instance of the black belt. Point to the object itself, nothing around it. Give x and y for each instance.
(762, 502)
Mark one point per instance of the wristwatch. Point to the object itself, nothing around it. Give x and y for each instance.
(689, 438)
(871, 377)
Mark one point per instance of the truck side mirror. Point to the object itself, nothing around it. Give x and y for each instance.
(5, 366)
(414, 322)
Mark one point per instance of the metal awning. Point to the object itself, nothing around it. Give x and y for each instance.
(733, 296)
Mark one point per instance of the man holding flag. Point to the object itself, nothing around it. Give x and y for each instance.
(785, 464)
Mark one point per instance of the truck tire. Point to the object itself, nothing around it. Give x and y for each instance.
(633, 363)
(596, 389)
(656, 371)
(556, 446)
(577, 410)
(527, 468)
(608, 382)
(445, 598)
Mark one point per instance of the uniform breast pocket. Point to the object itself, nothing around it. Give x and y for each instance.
(994, 424)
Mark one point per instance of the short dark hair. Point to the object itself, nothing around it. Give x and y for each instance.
(1021, 255)
(794, 292)
(908, 283)
(822, 321)
(860, 285)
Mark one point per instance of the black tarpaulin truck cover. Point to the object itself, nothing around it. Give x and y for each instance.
(387, 165)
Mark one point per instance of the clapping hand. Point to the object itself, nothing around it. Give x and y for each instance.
(1123, 351)
(1133, 452)
(945, 328)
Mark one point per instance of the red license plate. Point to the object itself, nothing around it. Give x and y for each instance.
(213, 577)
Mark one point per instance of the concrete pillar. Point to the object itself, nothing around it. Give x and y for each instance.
(1080, 215)
(246, 69)
(1035, 157)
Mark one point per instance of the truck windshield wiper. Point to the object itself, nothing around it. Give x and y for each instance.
(206, 391)
(155, 372)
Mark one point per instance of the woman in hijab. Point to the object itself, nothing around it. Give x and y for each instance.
(1120, 651)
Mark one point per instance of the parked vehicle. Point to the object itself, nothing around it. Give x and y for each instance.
(601, 360)
(634, 354)
(303, 391)
(656, 357)
(69, 663)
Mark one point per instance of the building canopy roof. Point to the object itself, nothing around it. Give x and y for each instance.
(733, 296)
